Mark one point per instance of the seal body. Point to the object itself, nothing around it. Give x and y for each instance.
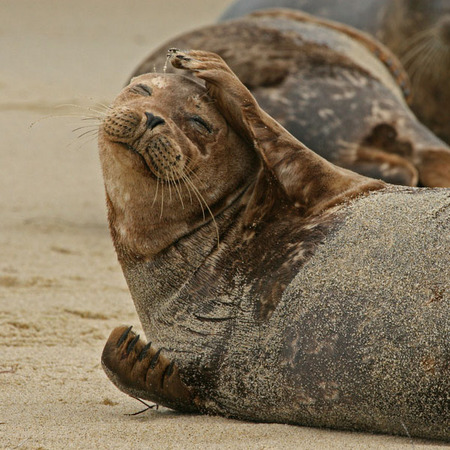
(359, 339)
(337, 90)
(418, 32)
(306, 293)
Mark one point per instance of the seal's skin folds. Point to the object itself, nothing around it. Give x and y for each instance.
(306, 293)
(417, 31)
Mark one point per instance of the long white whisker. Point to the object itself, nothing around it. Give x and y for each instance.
(424, 65)
(412, 54)
(414, 40)
(194, 190)
(92, 109)
(91, 126)
(162, 200)
(177, 188)
(86, 133)
(207, 207)
(156, 192)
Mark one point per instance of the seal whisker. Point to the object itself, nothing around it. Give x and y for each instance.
(189, 183)
(413, 41)
(98, 119)
(156, 192)
(410, 56)
(202, 199)
(183, 176)
(87, 133)
(418, 65)
(177, 188)
(162, 203)
(434, 55)
(170, 190)
(424, 65)
(91, 127)
(58, 116)
(191, 172)
(106, 107)
(91, 109)
(84, 138)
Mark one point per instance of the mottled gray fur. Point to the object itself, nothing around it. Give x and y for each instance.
(359, 340)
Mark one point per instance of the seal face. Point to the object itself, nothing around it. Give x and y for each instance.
(416, 31)
(308, 296)
(333, 87)
(158, 140)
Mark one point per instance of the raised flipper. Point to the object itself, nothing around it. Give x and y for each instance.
(310, 182)
(141, 371)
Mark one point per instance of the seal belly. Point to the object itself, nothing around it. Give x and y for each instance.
(360, 339)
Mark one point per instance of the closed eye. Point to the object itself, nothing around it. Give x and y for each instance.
(201, 124)
(142, 89)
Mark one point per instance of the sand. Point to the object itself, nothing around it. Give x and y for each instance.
(61, 288)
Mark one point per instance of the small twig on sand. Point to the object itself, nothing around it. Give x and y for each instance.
(23, 442)
(13, 369)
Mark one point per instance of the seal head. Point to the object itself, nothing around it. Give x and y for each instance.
(160, 133)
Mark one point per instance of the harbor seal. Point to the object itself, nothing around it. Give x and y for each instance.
(336, 89)
(417, 31)
(271, 284)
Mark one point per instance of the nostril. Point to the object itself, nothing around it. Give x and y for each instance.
(153, 121)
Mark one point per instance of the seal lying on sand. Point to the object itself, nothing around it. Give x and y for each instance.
(417, 31)
(330, 86)
(272, 285)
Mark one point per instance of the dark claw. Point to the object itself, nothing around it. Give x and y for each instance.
(154, 360)
(124, 336)
(169, 369)
(185, 58)
(144, 351)
(131, 344)
(167, 372)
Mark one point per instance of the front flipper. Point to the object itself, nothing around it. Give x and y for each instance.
(141, 371)
(310, 182)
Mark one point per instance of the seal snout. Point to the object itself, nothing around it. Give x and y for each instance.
(153, 121)
(121, 124)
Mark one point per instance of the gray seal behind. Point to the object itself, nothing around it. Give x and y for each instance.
(417, 31)
(336, 89)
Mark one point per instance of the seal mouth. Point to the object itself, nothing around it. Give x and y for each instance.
(161, 159)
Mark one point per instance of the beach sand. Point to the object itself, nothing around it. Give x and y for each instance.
(61, 288)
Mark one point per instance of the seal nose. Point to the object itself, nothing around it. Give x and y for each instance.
(153, 121)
